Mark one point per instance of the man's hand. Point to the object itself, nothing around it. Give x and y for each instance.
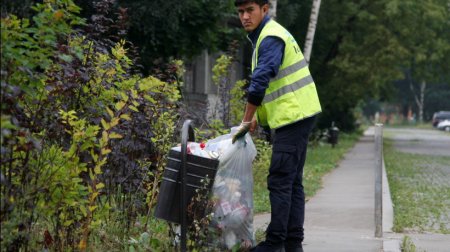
(242, 130)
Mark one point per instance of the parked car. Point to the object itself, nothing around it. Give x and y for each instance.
(440, 116)
(444, 125)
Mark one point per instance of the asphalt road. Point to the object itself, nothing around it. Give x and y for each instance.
(420, 141)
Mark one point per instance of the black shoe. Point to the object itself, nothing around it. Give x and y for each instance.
(268, 247)
(290, 249)
(291, 246)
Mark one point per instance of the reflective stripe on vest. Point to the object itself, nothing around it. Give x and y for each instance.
(291, 95)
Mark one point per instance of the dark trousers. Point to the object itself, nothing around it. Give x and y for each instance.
(287, 198)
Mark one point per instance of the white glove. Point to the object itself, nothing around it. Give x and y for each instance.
(241, 131)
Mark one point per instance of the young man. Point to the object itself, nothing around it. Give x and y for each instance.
(283, 95)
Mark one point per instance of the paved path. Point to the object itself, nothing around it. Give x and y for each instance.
(340, 217)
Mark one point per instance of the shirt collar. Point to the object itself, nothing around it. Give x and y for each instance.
(253, 36)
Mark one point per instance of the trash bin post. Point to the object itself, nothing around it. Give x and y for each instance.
(187, 134)
(333, 135)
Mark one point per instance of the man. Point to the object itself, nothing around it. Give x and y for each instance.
(283, 95)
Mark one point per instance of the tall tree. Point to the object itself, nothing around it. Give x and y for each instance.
(311, 29)
(273, 9)
(362, 47)
(162, 29)
(424, 34)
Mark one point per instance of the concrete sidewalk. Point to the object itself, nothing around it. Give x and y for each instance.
(340, 217)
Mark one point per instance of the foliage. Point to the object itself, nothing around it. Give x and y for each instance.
(362, 47)
(65, 175)
(181, 29)
(230, 108)
(408, 245)
(221, 78)
(237, 104)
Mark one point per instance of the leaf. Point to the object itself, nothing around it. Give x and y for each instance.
(92, 208)
(99, 186)
(105, 151)
(97, 170)
(119, 105)
(115, 135)
(83, 210)
(105, 125)
(125, 117)
(133, 108)
(124, 96)
(105, 138)
(150, 99)
(110, 112)
(114, 122)
(91, 175)
(67, 223)
(93, 196)
(82, 245)
(94, 156)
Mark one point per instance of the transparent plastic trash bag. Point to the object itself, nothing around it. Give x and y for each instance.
(232, 220)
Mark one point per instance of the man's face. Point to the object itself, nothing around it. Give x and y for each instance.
(251, 15)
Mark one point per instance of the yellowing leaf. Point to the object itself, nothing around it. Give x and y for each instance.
(125, 117)
(100, 186)
(67, 223)
(83, 210)
(58, 15)
(105, 151)
(114, 122)
(93, 196)
(133, 108)
(91, 176)
(120, 105)
(124, 96)
(114, 135)
(82, 245)
(105, 137)
(97, 170)
(105, 125)
(110, 112)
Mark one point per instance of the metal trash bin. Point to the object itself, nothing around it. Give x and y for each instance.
(181, 178)
(168, 206)
(333, 135)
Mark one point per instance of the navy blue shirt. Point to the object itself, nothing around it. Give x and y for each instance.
(270, 57)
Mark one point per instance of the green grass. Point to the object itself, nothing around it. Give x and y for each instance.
(408, 245)
(320, 160)
(425, 125)
(420, 190)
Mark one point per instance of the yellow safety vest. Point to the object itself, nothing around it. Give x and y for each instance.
(291, 95)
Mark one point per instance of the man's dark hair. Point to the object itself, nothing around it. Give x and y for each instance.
(258, 2)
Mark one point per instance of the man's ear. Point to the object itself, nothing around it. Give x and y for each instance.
(265, 8)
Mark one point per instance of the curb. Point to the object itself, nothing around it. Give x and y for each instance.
(391, 240)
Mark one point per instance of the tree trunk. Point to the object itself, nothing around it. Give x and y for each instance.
(311, 29)
(273, 9)
(421, 104)
(419, 98)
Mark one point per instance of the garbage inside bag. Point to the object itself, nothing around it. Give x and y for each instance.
(233, 191)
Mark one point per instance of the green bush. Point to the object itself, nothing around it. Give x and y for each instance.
(84, 138)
